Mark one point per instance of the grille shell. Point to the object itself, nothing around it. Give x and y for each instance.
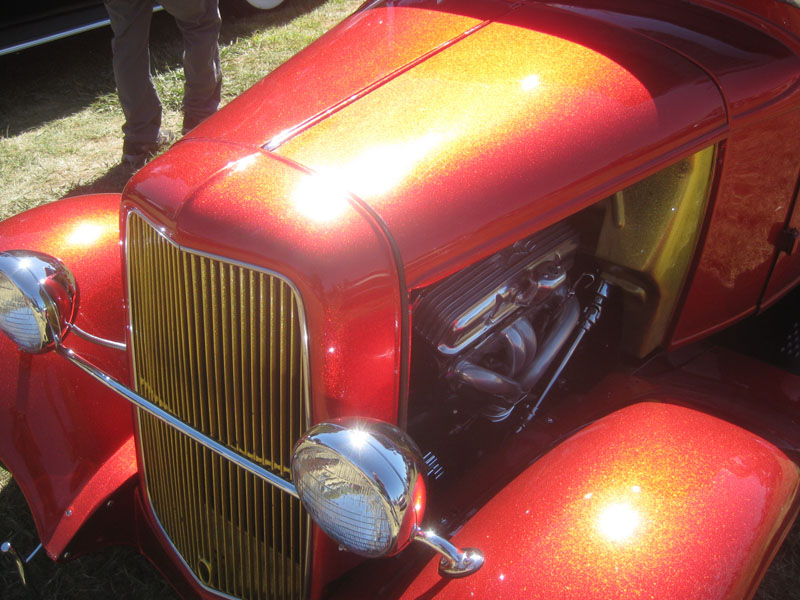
(222, 347)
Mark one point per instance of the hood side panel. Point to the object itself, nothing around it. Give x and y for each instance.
(508, 130)
(782, 13)
(751, 67)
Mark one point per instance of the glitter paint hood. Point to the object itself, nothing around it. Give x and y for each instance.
(416, 125)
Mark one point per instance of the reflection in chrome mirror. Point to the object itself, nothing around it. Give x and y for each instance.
(38, 299)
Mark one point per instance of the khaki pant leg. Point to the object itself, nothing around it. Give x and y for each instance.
(199, 22)
(130, 22)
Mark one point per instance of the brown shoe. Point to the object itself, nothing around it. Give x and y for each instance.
(136, 155)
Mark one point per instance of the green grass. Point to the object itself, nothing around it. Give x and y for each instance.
(120, 572)
(59, 115)
(60, 135)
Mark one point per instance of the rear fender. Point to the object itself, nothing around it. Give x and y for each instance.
(67, 439)
(653, 501)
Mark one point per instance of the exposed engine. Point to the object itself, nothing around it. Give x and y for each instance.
(497, 327)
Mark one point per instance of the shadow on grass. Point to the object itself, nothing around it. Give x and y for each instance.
(49, 82)
(112, 181)
(120, 573)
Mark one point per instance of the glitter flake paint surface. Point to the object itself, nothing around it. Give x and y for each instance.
(652, 501)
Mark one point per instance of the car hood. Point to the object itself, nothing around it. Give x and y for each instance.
(370, 47)
(524, 121)
(463, 126)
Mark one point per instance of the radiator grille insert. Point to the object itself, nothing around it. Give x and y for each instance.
(220, 346)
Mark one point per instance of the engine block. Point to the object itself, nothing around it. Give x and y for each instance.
(457, 313)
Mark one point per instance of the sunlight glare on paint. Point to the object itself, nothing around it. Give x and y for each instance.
(243, 163)
(320, 198)
(85, 234)
(380, 168)
(324, 196)
(618, 521)
(531, 82)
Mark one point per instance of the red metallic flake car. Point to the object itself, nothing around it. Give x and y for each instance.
(476, 274)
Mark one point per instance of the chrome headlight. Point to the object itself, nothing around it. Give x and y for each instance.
(361, 483)
(38, 298)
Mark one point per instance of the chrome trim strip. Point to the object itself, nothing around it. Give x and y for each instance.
(98, 340)
(61, 35)
(167, 418)
(34, 553)
(56, 36)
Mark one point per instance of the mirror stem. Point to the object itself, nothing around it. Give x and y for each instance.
(454, 563)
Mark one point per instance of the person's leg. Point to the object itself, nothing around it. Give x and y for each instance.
(130, 22)
(199, 22)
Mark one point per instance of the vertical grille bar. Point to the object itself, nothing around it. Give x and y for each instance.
(221, 347)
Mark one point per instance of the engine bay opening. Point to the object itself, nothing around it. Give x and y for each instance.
(496, 343)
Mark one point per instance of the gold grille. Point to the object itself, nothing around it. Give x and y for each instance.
(220, 347)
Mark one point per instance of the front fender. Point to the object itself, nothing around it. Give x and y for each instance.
(652, 501)
(68, 440)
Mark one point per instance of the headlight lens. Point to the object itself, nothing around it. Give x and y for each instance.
(38, 298)
(361, 483)
(18, 319)
(341, 501)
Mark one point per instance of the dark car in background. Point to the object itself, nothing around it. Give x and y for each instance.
(27, 24)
